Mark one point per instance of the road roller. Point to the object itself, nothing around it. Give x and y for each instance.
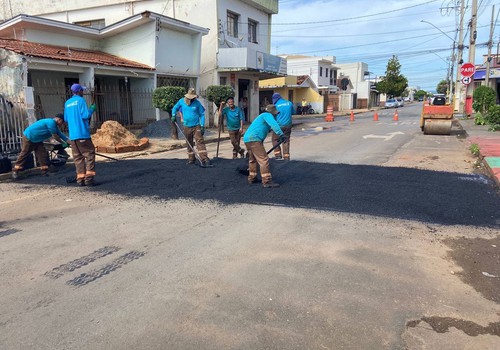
(436, 117)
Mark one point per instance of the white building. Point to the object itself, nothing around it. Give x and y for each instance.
(322, 70)
(363, 92)
(234, 52)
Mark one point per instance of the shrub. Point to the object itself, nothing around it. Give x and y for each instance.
(165, 97)
(495, 127)
(493, 116)
(484, 97)
(219, 93)
(479, 119)
(474, 149)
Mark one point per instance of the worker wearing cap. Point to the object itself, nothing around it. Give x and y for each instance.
(32, 140)
(77, 115)
(192, 115)
(254, 141)
(284, 120)
(234, 117)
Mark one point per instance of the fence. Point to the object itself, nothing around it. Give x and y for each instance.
(13, 120)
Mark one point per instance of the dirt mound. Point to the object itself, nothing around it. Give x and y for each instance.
(112, 137)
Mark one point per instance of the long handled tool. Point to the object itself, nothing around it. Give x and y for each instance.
(218, 139)
(243, 170)
(197, 156)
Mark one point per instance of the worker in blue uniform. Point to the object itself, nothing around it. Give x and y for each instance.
(284, 120)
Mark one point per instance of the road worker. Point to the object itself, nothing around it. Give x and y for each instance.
(234, 117)
(254, 142)
(284, 120)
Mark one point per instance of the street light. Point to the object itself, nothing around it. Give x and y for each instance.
(452, 59)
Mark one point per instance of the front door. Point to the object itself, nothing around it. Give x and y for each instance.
(244, 97)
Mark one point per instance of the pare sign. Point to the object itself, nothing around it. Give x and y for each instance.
(467, 69)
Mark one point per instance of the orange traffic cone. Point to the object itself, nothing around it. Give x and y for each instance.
(352, 116)
(375, 116)
(396, 117)
(329, 114)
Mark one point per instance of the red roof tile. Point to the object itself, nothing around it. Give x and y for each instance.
(301, 79)
(68, 54)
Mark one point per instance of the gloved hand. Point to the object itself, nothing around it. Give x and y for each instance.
(203, 130)
(283, 138)
(92, 108)
(64, 144)
(173, 119)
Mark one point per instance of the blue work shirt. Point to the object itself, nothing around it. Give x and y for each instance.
(77, 115)
(193, 115)
(42, 130)
(233, 117)
(286, 110)
(260, 127)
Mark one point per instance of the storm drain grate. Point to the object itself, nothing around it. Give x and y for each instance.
(8, 232)
(80, 262)
(86, 278)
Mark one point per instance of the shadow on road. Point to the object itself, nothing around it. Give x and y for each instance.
(401, 193)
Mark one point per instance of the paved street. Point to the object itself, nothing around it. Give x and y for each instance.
(379, 238)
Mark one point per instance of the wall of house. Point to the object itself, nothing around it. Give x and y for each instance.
(12, 73)
(64, 40)
(355, 72)
(136, 44)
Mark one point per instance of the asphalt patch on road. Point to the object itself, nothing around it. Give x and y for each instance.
(479, 259)
(443, 325)
(402, 193)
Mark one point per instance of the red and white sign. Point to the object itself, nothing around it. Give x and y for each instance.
(467, 70)
(466, 80)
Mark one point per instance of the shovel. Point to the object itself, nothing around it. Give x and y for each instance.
(243, 170)
(196, 155)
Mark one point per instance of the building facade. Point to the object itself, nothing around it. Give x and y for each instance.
(235, 51)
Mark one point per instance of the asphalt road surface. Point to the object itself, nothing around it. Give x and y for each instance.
(379, 238)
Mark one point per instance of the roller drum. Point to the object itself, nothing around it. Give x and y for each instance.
(437, 127)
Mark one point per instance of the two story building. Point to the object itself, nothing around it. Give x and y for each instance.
(235, 51)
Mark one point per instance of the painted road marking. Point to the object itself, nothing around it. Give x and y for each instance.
(385, 137)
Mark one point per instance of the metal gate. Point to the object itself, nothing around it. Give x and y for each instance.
(13, 121)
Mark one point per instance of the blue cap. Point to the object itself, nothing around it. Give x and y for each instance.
(275, 97)
(77, 88)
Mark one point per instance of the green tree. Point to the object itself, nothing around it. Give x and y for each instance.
(483, 98)
(219, 93)
(394, 83)
(165, 97)
(442, 87)
(420, 94)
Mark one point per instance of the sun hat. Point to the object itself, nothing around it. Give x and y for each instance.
(271, 109)
(191, 94)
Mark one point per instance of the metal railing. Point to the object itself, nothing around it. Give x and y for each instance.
(13, 120)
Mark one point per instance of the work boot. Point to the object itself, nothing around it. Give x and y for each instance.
(190, 161)
(235, 155)
(207, 164)
(270, 184)
(242, 153)
(15, 175)
(44, 173)
(252, 181)
(278, 158)
(89, 181)
(80, 182)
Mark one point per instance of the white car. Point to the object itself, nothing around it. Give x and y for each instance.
(391, 103)
(400, 102)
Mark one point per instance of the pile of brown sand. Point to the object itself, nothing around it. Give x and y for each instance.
(113, 136)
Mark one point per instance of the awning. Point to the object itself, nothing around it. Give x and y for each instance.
(481, 74)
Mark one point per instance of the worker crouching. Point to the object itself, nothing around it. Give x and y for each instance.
(254, 141)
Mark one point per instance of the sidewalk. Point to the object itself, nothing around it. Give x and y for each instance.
(488, 143)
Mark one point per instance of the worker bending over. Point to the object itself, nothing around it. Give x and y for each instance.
(284, 120)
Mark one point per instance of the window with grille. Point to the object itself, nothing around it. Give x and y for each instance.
(232, 24)
(252, 31)
(320, 71)
(95, 23)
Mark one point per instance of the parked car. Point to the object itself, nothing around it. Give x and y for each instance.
(420, 99)
(407, 99)
(400, 102)
(391, 103)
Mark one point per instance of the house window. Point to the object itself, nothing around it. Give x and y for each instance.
(331, 71)
(326, 72)
(95, 23)
(223, 81)
(232, 24)
(320, 71)
(252, 31)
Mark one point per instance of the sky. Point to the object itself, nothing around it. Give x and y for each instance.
(372, 31)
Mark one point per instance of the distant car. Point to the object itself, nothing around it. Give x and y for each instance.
(420, 99)
(391, 103)
(400, 102)
(407, 99)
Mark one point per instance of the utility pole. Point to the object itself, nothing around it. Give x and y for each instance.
(490, 44)
(472, 45)
(459, 104)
